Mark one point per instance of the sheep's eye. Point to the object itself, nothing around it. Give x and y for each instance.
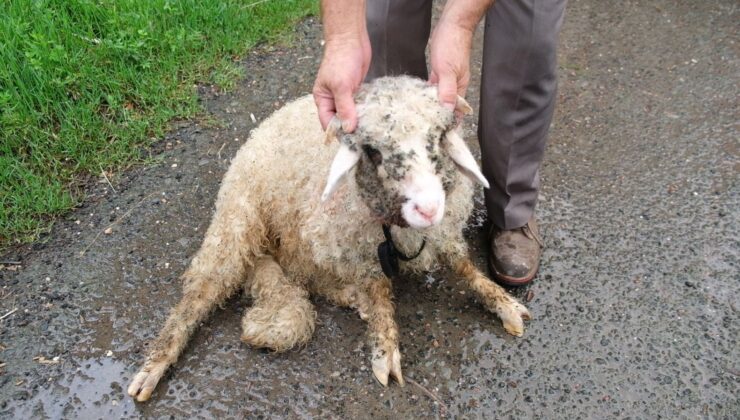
(373, 154)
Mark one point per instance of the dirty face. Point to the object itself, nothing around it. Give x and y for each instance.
(407, 153)
(404, 181)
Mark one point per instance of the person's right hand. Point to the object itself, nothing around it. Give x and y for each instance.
(342, 70)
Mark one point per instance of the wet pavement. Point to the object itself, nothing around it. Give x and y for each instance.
(635, 306)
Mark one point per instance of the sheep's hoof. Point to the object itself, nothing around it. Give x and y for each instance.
(387, 363)
(513, 314)
(363, 315)
(145, 381)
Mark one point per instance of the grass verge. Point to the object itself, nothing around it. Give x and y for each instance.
(85, 84)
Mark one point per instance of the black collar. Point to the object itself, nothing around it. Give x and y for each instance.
(388, 254)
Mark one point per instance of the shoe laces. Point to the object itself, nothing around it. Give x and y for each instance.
(529, 233)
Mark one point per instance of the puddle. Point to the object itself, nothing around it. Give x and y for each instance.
(93, 390)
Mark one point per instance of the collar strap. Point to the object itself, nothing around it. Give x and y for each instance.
(401, 255)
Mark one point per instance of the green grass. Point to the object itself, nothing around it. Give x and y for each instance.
(86, 84)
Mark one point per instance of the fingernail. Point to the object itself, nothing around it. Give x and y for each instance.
(449, 106)
(346, 126)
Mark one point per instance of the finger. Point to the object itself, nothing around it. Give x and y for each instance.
(433, 78)
(345, 105)
(325, 107)
(462, 86)
(447, 90)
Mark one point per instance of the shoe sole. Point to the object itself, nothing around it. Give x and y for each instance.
(512, 281)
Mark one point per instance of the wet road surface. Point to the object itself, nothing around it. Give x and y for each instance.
(635, 306)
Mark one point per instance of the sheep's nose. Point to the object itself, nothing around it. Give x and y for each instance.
(427, 211)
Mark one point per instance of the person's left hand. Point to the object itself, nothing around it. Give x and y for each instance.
(450, 59)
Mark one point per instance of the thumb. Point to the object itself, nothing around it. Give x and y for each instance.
(447, 90)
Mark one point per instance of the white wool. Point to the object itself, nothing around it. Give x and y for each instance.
(272, 235)
(282, 170)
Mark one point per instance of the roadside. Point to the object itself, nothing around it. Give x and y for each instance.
(86, 88)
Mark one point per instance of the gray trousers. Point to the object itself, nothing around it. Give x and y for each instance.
(518, 87)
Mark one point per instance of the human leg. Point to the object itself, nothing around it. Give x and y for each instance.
(399, 31)
(518, 89)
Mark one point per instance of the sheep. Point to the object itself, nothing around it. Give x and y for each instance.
(283, 233)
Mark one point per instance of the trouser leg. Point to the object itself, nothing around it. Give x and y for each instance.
(399, 31)
(518, 89)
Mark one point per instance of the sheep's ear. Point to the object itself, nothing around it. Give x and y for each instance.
(345, 159)
(332, 130)
(462, 106)
(456, 148)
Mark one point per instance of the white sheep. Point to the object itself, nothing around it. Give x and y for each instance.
(276, 234)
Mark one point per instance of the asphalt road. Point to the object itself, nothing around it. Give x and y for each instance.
(636, 304)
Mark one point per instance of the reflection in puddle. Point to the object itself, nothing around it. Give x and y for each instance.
(94, 390)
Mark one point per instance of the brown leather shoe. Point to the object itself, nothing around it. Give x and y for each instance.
(515, 253)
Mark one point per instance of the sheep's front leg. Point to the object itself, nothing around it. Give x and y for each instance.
(386, 358)
(494, 297)
(349, 296)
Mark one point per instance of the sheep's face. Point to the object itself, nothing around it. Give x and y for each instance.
(407, 159)
(404, 181)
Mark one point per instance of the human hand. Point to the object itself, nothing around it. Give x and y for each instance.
(342, 70)
(450, 60)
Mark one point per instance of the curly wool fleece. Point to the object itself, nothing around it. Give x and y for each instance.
(272, 236)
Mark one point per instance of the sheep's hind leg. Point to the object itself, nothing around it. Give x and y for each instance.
(282, 316)
(386, 358)
(206, 286)
(215, 273)
(494, 297)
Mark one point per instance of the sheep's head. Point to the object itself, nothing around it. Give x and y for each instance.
(406, 149)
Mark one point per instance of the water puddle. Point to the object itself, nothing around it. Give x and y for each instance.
(93, 390)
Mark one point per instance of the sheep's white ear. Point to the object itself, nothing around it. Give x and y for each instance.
(462, 106)
(344, 160)
(332, 130)
(456, 148)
